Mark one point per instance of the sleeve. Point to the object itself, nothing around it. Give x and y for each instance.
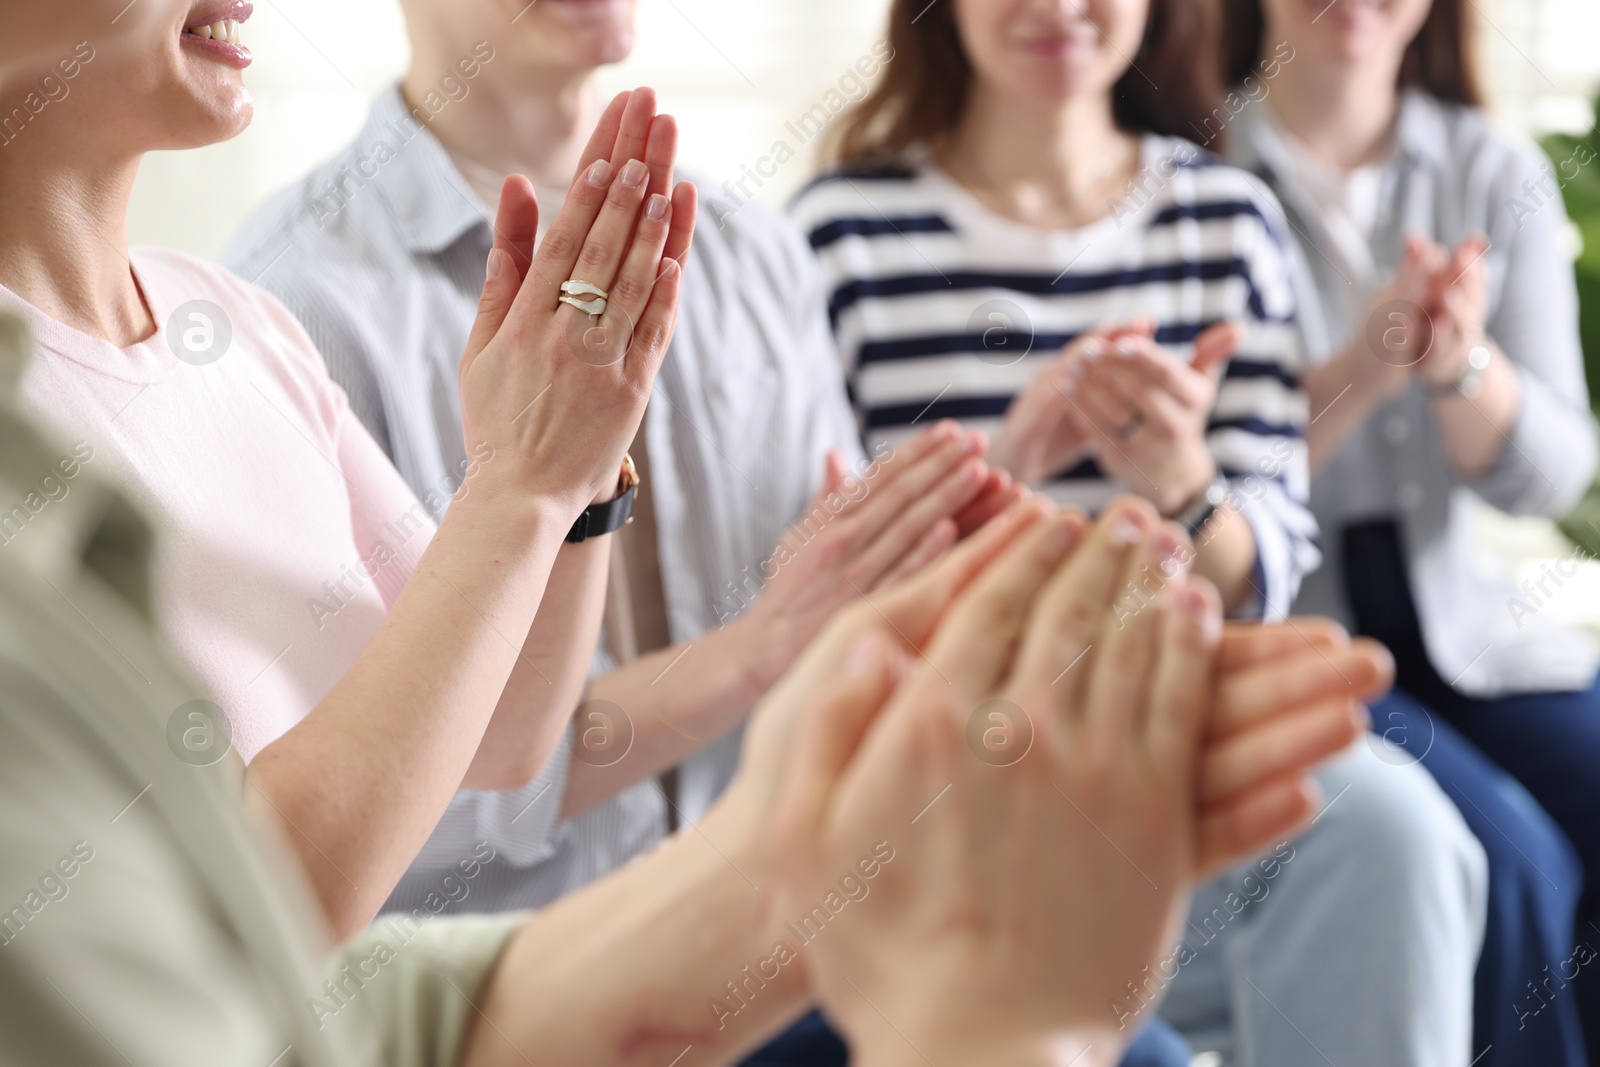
(1257, 430)
(520, 825)
(829, 412)
(1549, 459)
(419, 982)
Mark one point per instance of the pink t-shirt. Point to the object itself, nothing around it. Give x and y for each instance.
(286, 534)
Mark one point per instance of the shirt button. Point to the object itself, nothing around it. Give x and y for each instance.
(1397, 429)
(1410, 495)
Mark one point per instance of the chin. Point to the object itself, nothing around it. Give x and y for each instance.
(198, 123)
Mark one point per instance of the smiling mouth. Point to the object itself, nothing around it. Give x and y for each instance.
(218, 30)
(227, 31)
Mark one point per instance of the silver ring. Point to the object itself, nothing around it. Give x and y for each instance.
(1131, 427)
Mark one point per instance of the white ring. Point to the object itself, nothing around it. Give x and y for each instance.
(596, 306)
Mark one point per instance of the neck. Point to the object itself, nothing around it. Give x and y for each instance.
(1342, 112)
(64, 215)
(517, 122)
(1060, 159)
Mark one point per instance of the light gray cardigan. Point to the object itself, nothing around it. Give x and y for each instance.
(1457, 175)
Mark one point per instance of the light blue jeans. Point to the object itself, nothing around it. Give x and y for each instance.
(1353, 946)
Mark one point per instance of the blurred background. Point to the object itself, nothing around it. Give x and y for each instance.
(733, 73)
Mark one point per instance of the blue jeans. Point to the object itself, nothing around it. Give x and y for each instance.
(811, 1042)
(1537, 798)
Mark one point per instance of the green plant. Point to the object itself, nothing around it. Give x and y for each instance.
(1577, 167)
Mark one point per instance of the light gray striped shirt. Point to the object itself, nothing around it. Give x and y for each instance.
(380, 253)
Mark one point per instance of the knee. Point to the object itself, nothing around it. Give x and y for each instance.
(1398, 835)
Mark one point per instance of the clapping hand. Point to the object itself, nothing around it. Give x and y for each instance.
(1161, 748)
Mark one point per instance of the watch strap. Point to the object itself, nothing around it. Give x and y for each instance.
(1194, 517)
(597, 520)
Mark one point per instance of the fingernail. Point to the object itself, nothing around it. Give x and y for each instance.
(971, 474)
(668, 265)
(1126, 531)
(600, 173)
(1198, 607)
(1169, 548)
(497, 263)
(633, 173)
(944, 431)
(1064, 534)
(1093, 350)
(1126, 347)
(656, 209)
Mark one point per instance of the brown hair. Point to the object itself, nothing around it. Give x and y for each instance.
(923, 91)
(1440, 59)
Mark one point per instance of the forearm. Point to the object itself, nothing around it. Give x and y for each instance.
(1225, 555)
(1477, 429)
(1340, 402)
(679, 699)
(628, 971)
(547, 680)
(362, 780)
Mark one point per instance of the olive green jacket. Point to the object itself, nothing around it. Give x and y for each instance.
(142, 922)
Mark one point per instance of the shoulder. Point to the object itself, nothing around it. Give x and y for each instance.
(867, 200)
(733, 232)
(1467, 147)
(257, 320)
(1210, 179)
(305, 231)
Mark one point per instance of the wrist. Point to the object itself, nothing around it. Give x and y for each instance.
(514, 518)
(1201, 473)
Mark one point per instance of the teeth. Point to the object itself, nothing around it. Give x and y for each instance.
(228, 31)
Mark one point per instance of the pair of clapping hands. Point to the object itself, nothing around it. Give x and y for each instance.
(1117, 395)
(1431, 317)
(1021, 898)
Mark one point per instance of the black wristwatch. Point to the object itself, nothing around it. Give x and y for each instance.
(614, 514)
(1194, 517)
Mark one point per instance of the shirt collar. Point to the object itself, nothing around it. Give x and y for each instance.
(433, 205)
(1421, 134)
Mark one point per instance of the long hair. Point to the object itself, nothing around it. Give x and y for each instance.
(1440, 59)
(1170, 87)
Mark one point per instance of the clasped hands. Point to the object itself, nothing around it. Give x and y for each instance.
(1022, 897)
(1116, 395)
(1428, 320)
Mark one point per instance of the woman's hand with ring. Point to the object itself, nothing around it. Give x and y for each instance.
(559, 416)
(1148, 410)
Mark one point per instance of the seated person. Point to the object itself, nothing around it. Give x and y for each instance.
(1015, 234)
(1440, 318)
(363, 667)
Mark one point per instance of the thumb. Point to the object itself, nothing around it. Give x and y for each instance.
(1216, 345)
(840, 685)
(836, 473)
(500, 288)
(516, 227)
